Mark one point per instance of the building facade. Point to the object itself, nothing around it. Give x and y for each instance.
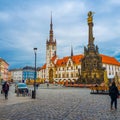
(3, 70)
(69, 67)
(16, 74)
(28, 73)
(22, 74)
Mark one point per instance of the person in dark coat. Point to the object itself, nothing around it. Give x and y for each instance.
(5, 88)
(113, 93)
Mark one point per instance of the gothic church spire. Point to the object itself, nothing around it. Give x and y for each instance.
(51, 31)
(71, 51)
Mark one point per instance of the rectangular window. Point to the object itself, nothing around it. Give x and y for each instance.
(71, 75)
(76, 74)
(67, 75)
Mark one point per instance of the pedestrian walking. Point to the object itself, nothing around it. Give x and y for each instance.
(47, 84)
(113, 93)
(5, 88)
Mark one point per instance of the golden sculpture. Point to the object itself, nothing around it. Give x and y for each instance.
(90, 16)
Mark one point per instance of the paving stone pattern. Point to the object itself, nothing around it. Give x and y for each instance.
(59, 103)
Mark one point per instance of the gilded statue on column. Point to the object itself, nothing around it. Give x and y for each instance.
(90, 15)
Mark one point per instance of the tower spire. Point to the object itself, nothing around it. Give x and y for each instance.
(71, 51)
(51, 22)
(51, 30)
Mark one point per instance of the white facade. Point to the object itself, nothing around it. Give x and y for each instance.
(70, 70)
(16, 75)
(112, 70)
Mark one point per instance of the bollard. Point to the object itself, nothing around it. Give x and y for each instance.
(33, 94)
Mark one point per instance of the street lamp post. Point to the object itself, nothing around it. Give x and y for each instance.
(34, 93)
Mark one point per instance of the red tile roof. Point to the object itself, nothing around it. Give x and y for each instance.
(44, 66)
(53, 58)
(76, 60)
(62, 61)
(109, 60)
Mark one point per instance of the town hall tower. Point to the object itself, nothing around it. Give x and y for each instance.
(50, 52)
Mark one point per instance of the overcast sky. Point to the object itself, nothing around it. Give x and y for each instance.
(25, 24)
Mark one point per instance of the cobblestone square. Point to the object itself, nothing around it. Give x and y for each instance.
(58, 103)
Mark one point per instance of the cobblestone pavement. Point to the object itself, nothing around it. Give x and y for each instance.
(60, 104)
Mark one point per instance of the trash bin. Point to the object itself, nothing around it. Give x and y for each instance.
(33, 94)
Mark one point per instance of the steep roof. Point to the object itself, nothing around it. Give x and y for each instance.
(77, 60)
(109, 60)
(60, 62)
(44, 66)
(3, 61)
(53, 58)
